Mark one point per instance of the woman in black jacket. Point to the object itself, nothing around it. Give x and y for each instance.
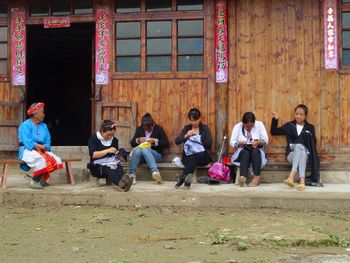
(150, 132)
(103, 147)
(190, 159)
(301, 146)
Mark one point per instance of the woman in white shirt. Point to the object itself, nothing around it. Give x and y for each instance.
(249, 137)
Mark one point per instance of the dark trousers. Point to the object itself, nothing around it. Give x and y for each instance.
(192, 161)
(102, 171)
(247, 156)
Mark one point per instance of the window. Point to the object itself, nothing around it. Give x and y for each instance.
(127, 6)
(159, 46)
(128, 47)
(345, 22)
(3, 50)
(38, 8)
(3, 9)
(185, 5)
(60, 7)
(190, 45)
(83, 7)
(158, 5)
(158, 42)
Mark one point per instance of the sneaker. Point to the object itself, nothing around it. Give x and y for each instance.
(180, 180)
(188, 181)
(156, 176)
(241, 181)
(35, 185)
(125, 183)
(128, 185)
(133, 176)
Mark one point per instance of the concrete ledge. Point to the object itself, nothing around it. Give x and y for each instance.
(329, 198)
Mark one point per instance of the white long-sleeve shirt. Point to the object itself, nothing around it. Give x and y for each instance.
(258, 132)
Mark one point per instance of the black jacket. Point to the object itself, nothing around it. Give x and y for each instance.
(96, 145)
(157, 133)
(203, 131)
(307, 137)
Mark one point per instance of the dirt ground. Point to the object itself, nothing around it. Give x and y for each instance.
(141, 234)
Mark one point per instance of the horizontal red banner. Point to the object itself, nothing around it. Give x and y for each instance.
(56, 22)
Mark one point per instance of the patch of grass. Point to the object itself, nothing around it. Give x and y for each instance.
(339, 217)
(117, 261)
(227, 237)
(129, 223)
(316, 229)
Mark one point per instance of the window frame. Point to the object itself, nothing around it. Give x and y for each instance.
(5, 22)
(343, 8)
(125, 38)
(71, 13)
(174, 15)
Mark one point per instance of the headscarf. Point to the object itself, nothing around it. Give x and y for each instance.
(34, 108)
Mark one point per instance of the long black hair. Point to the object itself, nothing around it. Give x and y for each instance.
(247, 117)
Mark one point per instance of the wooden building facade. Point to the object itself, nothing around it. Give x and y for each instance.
(161, 60)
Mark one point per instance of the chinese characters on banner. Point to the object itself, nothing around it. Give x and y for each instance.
(330, 34)
(102, 45)
(18, 63)
(56, 22)
(221, 52)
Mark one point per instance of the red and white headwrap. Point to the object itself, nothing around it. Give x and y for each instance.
(35, 108)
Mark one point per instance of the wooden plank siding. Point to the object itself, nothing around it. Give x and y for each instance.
(279, 64)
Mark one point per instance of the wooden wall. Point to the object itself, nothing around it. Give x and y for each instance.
(168, 100)
(10, 111)
(277, 64)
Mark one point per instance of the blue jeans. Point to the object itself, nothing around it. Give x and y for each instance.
(149, 156)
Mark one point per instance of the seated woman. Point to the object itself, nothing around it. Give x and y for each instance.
(103, 147)
(197, 141)
(154, 134)
(249, 137)
(35, 147)
(301, 146)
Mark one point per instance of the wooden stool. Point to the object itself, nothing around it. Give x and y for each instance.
(66, 161)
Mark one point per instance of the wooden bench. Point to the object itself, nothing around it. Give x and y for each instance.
(66, 161)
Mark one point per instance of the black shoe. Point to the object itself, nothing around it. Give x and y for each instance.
(44, 183)
(125, 183)
(188, 181)
(180, 181)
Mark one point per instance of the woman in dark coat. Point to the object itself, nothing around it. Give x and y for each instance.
(103, 147)
(301, 146)
(197, 135)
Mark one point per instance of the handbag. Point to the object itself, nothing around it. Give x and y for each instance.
(193, 145)
(219, 170)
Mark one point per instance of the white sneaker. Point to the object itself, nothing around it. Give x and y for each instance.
(133, 176)
(156, 176)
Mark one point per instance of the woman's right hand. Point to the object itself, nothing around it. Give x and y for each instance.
(111, 150)
(189, 134)
(275, 115)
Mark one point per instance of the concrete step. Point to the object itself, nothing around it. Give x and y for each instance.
(200, 196)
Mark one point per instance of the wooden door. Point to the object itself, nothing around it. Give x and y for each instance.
(11, 115)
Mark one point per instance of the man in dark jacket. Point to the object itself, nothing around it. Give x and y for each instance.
(148, 142)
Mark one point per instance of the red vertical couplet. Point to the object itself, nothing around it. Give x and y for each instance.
(18, 48)
(221, 52)
(330, 12)
(102, 45)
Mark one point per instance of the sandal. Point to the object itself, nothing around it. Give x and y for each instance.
(301, 187)
(289, 182)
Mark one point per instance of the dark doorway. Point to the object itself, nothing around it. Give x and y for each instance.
(60, 74)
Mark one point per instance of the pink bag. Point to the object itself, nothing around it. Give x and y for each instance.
(220, 172)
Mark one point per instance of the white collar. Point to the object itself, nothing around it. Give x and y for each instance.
(103, 141)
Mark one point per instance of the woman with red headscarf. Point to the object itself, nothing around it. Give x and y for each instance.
(35, 147)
